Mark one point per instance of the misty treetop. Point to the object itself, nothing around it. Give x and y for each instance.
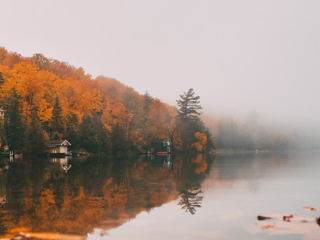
(47, 99)
(188, 106)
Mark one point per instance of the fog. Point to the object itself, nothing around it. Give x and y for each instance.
(239, 56)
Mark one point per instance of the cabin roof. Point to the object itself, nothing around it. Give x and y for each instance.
(57, 143)
(160, 140)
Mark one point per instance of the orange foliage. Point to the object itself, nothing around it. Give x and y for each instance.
(39, 81)
(201, 141)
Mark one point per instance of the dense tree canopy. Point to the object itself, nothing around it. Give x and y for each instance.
(97, 115)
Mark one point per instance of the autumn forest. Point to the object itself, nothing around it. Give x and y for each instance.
(45, 99)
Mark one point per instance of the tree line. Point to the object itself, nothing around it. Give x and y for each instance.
(46, 99)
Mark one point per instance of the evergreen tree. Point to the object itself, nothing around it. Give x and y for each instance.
(1, 79)
(103, 136)
(189, 121)
(210, 140)
(3, 138)
(73, 137)
(55, 136)
(35, 135)
(1, 83)
(119, 139)
(56, 123)
(72, 121)
(188, 106)
(89, 135)
(73, 131)
(147, 102)
(14, 126)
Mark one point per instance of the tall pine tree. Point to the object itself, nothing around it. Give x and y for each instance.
(73, 135)
(188, 106)
(189, 121)
(14, 126)
(56, 121)
(89, 135)
(1, 79)
(35, 135)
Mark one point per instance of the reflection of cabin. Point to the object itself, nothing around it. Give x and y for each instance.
(160, 160)
(56, 164)
(2, 112)
(57, 147)
(160, 146)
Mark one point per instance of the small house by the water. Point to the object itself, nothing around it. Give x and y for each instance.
(160, 146)
(57, 147)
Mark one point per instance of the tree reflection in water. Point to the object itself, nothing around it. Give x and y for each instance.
(189, 199)
(95, 193)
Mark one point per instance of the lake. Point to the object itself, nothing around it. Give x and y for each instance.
(272, 195)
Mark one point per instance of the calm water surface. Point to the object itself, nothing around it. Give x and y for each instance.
(176, 197)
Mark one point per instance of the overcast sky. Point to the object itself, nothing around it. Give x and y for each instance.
(237, 55)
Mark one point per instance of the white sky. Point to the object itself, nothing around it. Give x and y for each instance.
(237, 55)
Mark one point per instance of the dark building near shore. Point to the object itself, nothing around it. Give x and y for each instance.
(160, 146)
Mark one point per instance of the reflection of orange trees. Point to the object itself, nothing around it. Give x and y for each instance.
(117, 195)
(93, 196)
(202, 164)
(7, 219)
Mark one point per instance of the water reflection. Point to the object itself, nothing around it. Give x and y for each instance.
(190, 198)
(63, 163)
(75, 196)
(160, 160)
(208, 197)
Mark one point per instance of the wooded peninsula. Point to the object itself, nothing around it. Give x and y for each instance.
(45, 99)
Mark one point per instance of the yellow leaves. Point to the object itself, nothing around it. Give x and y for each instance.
(26, 110)
(90, 101)
(200, 145)
(38, 89)
(29, 84)
(45, 111)
(5, 71)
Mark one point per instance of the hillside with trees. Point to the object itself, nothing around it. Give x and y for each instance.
(46, 99)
